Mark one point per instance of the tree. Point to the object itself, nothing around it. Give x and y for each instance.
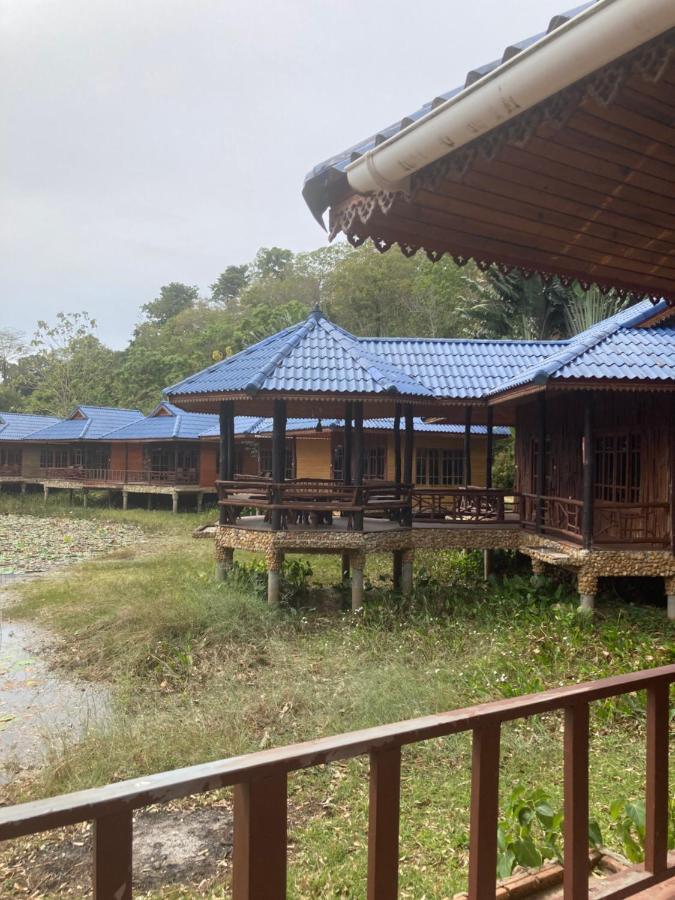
(11, 347)
(514, 306)
(74, 366)
(229, 284)
(271, 262)
(173, 299)
(586, 308)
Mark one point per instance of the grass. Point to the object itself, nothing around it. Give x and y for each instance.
(204, 670)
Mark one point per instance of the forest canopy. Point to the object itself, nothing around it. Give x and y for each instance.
(183, 329)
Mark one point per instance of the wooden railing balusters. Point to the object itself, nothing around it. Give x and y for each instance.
(575, 885)
(383, 823)
(113, 836)
(260, 838)
(656, 817)
(484, 812)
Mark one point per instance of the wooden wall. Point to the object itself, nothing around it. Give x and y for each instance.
(30, 461)
(313, 456)
(118, 455)
(643, 413)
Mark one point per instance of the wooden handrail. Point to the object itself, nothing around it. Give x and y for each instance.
(260, 794)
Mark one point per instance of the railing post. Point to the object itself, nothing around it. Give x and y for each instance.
(575, 884)
(383, 824)
(260, 824)
(484, 813)
(113, 835)
(656, 818)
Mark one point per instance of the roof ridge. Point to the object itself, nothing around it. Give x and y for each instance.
(349, 342)
(176, 424)
(460, 340)
(255, 384)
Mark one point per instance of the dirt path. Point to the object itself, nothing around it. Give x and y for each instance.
(38, 704)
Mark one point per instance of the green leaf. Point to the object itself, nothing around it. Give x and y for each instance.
(505, 862)
(527, 854)
(594, 834)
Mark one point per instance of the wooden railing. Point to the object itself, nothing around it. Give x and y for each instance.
(10, 469)
(314, 502)
(83, 475)
(559, 515)
(631, 523)
(260, 796)
(464, 505)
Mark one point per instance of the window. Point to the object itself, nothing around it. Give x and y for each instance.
(339, 463)
(265, 459)
(10, 456)
(439, 466)
(53, 457)
(617, 468)
(373, 463)
(548, 466)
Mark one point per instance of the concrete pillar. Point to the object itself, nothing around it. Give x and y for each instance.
(408, 557)
(23, 487)
(174, 502)
(588, 587)
(125, 500)
(487, 563)
(200, 501)
(85, 498)
(344, 567)
(149, 502)
(670, 596)
(45, 489)
(70, 497)
(224, 560)
(538, 567)
(358, 561)
(274, 561)
(397, 569)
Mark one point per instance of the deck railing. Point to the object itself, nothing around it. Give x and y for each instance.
(314, 502)
(613, 523)
(10, 469)
(82, 475)
(463, 505)
(260, 796)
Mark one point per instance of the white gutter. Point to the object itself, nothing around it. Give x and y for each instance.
(602, 33)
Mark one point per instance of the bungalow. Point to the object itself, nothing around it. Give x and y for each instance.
(15, 429)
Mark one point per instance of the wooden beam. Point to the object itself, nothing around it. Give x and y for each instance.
(357, 454)
(347, 444)
(383, 823)
(226, 419)
(467, 447)
(112, 856)
(575, 885)
(260, 839)
(397, 443)
(489, 448)
(541, 460)
(587, 473)
(278, 453)
(409, 455)
(484, 813)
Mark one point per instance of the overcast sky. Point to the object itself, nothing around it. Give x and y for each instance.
(149, 141)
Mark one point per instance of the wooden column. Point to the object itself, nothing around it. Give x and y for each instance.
(672, 475)
(489, 450)
(575, 886)
(587, 470)
(226, 417)
(408, 457)
(467, 447)
(347, 445)
(357, 450)
(541, 460)
(397, 444)
(112, 856)
(260, 839)
(278, 454)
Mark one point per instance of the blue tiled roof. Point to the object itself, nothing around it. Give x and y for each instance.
(313, 357)
(614, 348)
(166, 422)
(18, 426)
(322, 177)
(95, 423)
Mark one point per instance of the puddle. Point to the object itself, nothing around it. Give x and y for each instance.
(36, 701)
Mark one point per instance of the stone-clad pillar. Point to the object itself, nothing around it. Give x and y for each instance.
(358, 562)
(224, 560)
(588, 588)
(274, 560)
(670, 596)
(538, 566)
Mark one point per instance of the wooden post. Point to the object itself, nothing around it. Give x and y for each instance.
(397, 444)
(278, 455)
(383, 822)
(484, 813)
(587, 471)
(358, 458)
(226, 417)
(467, 447)
(260, 837)
(541, 461)
(489, 449)
(112, 856)
(575, 879)
(408, 456)
(656, 806)
(174, 502)
(672, 475)
(347, 446)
